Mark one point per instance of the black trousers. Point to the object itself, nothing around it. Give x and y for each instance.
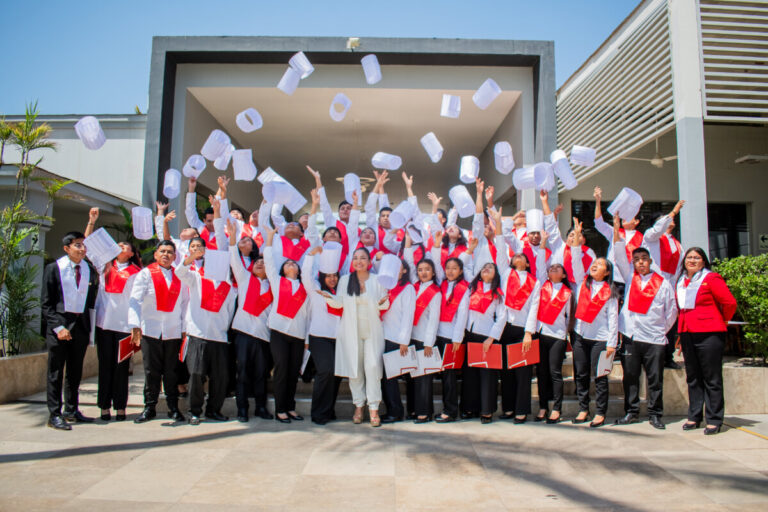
(515, 383)
(161, 358)
(251, 370)
(449, 382)
(638, 356)
(586, 355)
(69, 354)
(549, 372)
(206, 359)
(390, 389)
(326, 386)
(287, 353)
(113, 377)
(479, 385)
(703, 352)
(423, 391)
(669, 348)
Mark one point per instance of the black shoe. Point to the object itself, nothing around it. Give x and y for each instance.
(550, 421)
(691, 425)
(656, 422)
(318, 421)
(146, 415)
(242, 419)
(194, 420)
(425, 419)
(263, 413)
(627, 420)
(106, 417)
(175, 415)
(296, 417)
(283, 420)
(468, 415)
(539, 419)
(390, 419)
(242, 415)
(709, 431)
(77, 417)
(672, 365)
(484, 420)
(119, 417)
(59, 423)
(410, 416)
(577, 421)
(506, 416)
(595, 425)
(216, 416)
(444, 419)
(520, 421)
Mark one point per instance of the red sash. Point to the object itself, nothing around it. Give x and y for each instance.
(210, 239)
(445, 255)
(588, 306)
(248, 231)
(383, 233)
(344, 241)
(116, 279)
(290, 303)
(586, 260)
(479, 300)
(393, 293)
(423, 300)
(294, 252)
(449, 305)
(334, 311)
(640, 299)
(669, 260)
(528, 251)
(212, 298)
(165, 296)
(517, 295)
(550, 307)
(634, 243)
(492, 249)
(255, 302)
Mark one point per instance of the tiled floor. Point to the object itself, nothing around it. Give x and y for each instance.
(459, 466)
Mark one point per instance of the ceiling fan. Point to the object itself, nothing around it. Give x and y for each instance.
(657, 160)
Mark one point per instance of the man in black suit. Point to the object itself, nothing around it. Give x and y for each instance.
(70, 285)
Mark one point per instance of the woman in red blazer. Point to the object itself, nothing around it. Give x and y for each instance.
(706, 305)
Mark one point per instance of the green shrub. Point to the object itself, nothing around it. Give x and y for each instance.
(747, 277)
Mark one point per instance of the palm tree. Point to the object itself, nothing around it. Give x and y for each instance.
(29, 136)
(6, 136)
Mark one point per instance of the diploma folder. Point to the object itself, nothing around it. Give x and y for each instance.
(604, 364)
(396, 365)
(428, 365)
(125, 349)
(476, 358)
(453, 360)
(517, 359)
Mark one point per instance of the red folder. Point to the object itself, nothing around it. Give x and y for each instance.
(479, 359)
(516, 358)
(124, 349)
(183, 349)
(453, 360)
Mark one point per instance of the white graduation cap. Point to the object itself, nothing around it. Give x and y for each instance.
(626, 205)
(90, 133)
(216, 265)
(451, 106)
(502, 156)
(344, 101)
(581, 155)
(216, 144)
(280, 191)
(268, 175)
(172, 184)
(432, 146)
(222, 162)
(524, 178)
(389, 271)
(386, 161)
(290, 81)
(486, 93)
(242, 163)
(563, 169)
(470, 169)
(194, 167)
(352, 184)
(142, 222)
(400, 216)
(101, 248)
(329, 260)
(249, 120)
(371, 69)
(414, 232)
(534, 220)
(462, 201)
(545, 176)
(301, 64)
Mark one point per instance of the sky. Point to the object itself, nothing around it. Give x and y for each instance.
(93, 57)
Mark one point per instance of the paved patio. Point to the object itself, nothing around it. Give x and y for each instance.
(459, 466)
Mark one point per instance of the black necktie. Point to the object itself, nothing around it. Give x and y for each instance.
(77, 276)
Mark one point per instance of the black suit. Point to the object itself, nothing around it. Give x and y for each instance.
(65, 352)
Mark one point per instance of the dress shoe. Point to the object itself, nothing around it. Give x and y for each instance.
(263, 413)
(194, 420)
(468, 415)
(672, 365)
(410, 416)
(551, 421)
(709, 431)
(627, 420)
(319, 421)
(296, 417)
(484, 420)
(390, 419)
(595, 424)
(656, 422)
(146, 415)
(106, 417)
(216, 416)
(287, 419)
(506, 416)
(119, 417)
(77, 417)
(577, 421)
(425, 419)
(444, 419)
(519, 421)
(539, 419)
(691, 425)
(242, 415)
(59, 423)
(175, 415)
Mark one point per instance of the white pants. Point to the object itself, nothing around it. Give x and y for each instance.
(366, 386)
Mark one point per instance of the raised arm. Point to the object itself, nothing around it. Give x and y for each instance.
(190, 210)
(166, 225)
(240, 272)
(655, 232)
(603, 227)
(620, 252)
(269, 261)
(325, 207)
(93, 216)
(576, 253)
(218, 223)
(307, 268)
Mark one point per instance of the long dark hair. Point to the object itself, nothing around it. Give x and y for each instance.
(406, 277)
(282, 268)
(353, 285)
(700, 252)
(572, 300)
(321, 276)
(608, 279)
(136, 258)
(461, 267)
(447, 240)
(432, 265)
(495, 283)
(254, 254)
(527, 262)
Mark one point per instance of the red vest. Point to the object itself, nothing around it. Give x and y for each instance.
(640, 300)
(586, 261)
(294, 252)
(116, 279)
(449, 305)
(212, 298)
(165, 296)
(383, 233)
(632, 244)
(423, 300)
(713, 308)
(528, 251)
(457, 251)
(479, 300)
(210, 239)
(549, 306)
(517, 294)
(255, 302)
(393, 293)
(248, 231)
(290, 303)
(669, 260)
(588, 307)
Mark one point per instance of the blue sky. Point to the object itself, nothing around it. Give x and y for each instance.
(87, 56)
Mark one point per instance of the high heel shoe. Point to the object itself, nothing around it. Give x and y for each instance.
(287, 419)
(712, 430)
(539, 419)
(357, 418)
(577, 421)
(596, 424)
(375, 421)
(552, 421)
(691, 425)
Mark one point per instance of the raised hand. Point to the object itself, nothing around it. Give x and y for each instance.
(489, 195)
(216, 205)
(223, 182)
(170, 216)
(598, 194)
(93, 215)
(678, 207)
(191, 184)
(558, 209)
(315, 175)
(161, 207)
(231, 231)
